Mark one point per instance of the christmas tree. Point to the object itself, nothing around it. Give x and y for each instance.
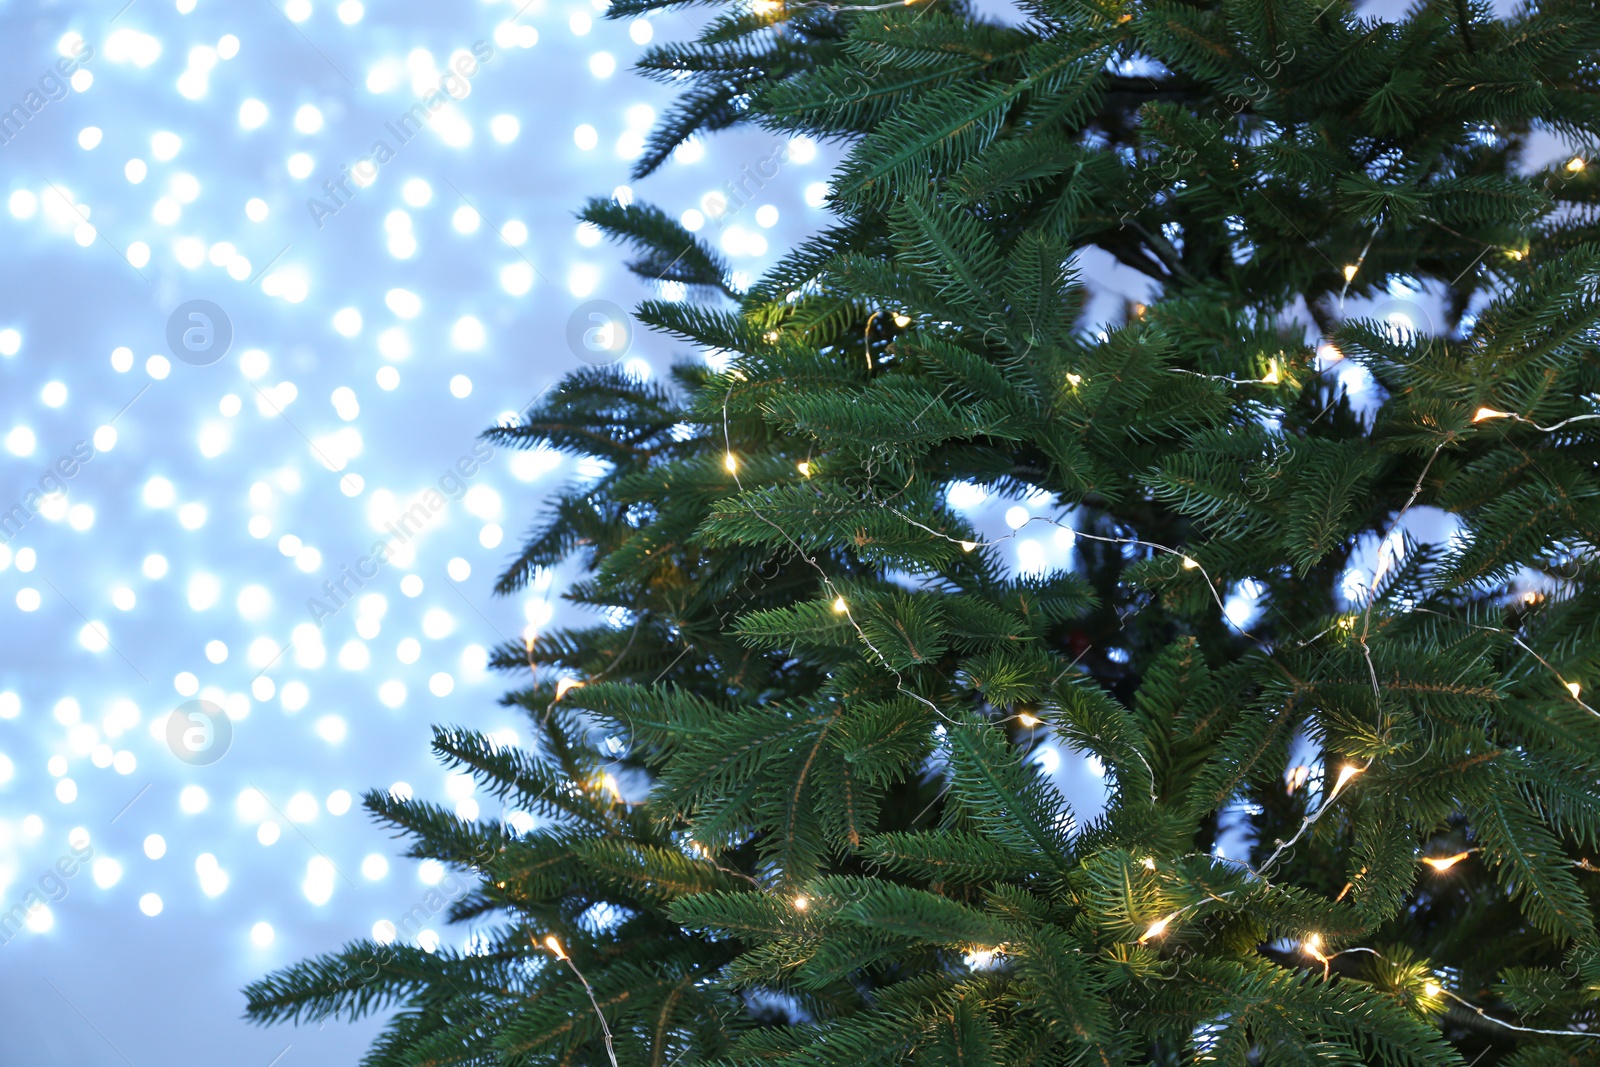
(785, 808)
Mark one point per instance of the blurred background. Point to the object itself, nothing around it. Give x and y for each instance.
(272, 266)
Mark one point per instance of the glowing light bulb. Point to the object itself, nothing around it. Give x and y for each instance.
(1075, 379)
(1574, 688)
(610, 785)
(902, 320)
(1030, 721)
(801, 903)
(968, 546)
(805, 468)
(565, 685)
(1157, 928)
(730, 462)
(1189, 564)
(554, 946)
(1271, 377)
(1347, 772)
(1444, 863)
(1431, 989)
(839, 605)
(1148, 863)
(1312, 946)
(1490, 413)
(1350, 272)
(1575, 164)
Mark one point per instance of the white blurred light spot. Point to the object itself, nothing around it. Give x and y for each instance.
(93, 637)
(20, 441)
(504, 128)
(403, 303)
(193, 799)
(252, 114)
(318, 884)
(516, 278)
(302, 807)
(467, 334)
(164, 144)
(203, 592)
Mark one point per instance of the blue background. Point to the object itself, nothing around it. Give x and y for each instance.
(261, 475)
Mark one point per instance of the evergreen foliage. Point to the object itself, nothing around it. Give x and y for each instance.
(823, 686)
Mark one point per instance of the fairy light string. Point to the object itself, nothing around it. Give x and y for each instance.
(1187, 562)
(551, 943)
(1312, 946)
